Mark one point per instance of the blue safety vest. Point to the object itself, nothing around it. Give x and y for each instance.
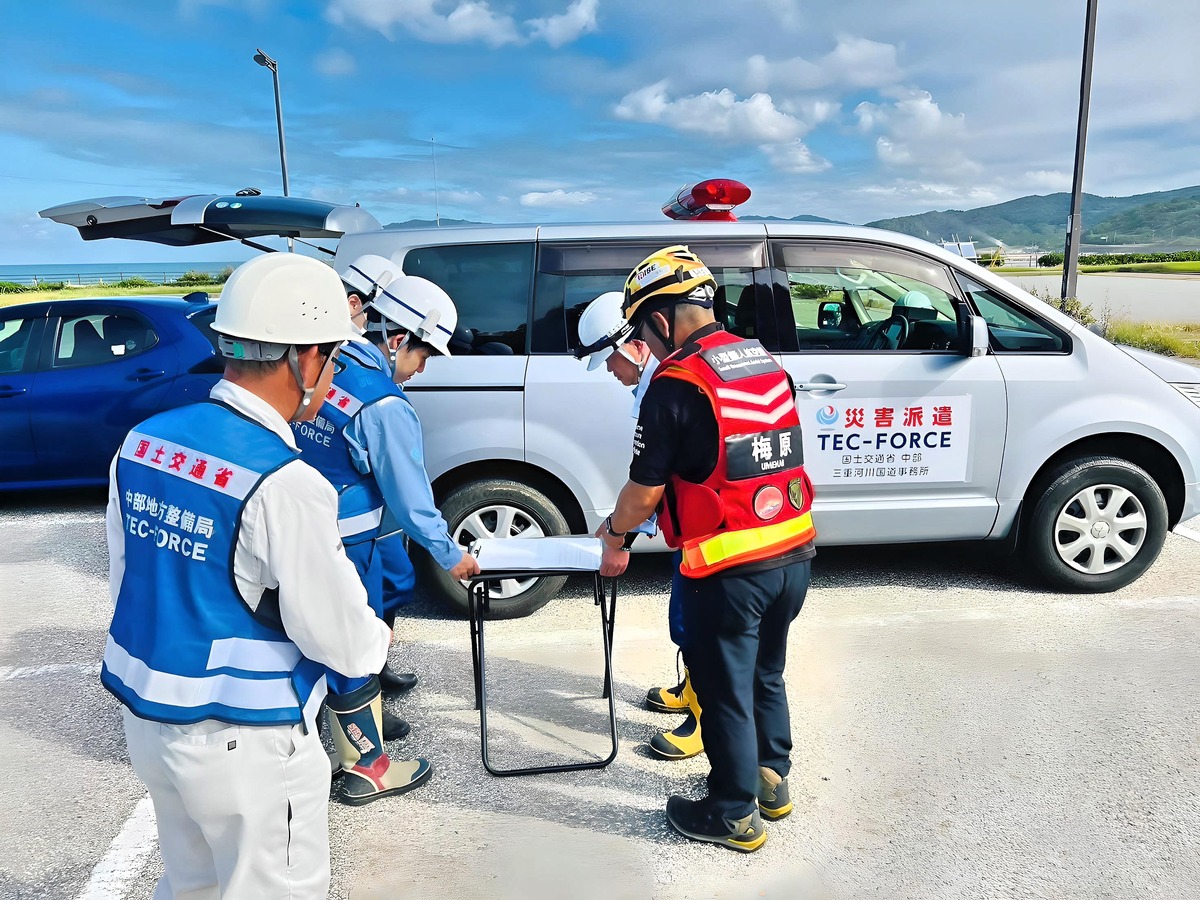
(358, 383)
(183, 645)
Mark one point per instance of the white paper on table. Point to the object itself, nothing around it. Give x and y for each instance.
(518, 554)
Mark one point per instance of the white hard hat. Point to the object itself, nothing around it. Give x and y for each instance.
(418, 306)
(915, 300)
(602, 329)
(367, 273)
(280, 300)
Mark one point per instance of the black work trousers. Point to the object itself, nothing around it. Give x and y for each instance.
(737, 628)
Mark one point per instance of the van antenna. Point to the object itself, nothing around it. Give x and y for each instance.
(437, 218)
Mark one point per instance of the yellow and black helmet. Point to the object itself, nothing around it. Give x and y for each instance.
(672, 275)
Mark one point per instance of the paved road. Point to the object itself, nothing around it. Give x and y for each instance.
(959, 734)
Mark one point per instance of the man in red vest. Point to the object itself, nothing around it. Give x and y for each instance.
(717, 453)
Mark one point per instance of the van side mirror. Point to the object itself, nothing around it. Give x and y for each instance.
(830, 315)
(979, 336)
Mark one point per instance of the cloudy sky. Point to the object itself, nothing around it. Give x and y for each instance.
(569, 110)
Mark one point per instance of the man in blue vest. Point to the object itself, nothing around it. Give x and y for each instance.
(233, 599)
(368, 443)
(363, 279)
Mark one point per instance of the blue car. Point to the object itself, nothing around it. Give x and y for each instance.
(76, 375)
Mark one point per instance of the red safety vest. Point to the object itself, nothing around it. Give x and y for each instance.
(756, 503)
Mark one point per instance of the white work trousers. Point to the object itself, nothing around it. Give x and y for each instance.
(243, 811)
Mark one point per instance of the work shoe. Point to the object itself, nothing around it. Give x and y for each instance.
(773, 797)
(697, 820)
(394, 727)
(393, 682)
(685, 741)
(356, 720)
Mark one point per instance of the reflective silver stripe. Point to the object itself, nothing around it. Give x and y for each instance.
(253, 656)
(769, 418)
(757, 399)
(352, 525)
(190, 465)
(186, 692)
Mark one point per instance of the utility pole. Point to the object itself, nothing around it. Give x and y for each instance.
(267, 63)
(1071, 254)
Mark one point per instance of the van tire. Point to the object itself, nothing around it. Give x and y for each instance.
(1056, 538)
(529, 511)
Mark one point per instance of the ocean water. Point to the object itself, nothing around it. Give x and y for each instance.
(108, 273)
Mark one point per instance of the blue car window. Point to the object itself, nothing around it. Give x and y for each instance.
(96, 338)
(14, 344)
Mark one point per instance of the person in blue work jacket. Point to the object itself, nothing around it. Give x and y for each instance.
(363, 279)
(368, 443)
(606, 338)
(234, 600)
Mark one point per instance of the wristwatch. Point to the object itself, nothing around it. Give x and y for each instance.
(608, 527)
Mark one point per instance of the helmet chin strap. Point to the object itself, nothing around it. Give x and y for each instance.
(641, 366)
(395, 352)
(293, 359)
(667, 339)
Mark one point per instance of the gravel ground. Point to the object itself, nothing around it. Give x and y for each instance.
(959, 733)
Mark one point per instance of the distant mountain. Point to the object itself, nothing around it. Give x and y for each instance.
(792, 219)
(1035, 220)
(1171, 220)
(430, 223)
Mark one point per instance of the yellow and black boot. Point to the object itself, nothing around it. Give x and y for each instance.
(668, 700)
(684, 741)
(356, 720)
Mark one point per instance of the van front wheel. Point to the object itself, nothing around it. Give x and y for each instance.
(497, 508)
(1097, 524)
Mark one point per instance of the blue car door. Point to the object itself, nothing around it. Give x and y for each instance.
(20, 338)
(104, 368)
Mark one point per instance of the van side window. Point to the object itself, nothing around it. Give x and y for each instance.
(489, 284)
(1012, 329)
(852, 298)
(572, 275)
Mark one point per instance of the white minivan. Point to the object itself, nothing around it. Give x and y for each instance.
(938, 402)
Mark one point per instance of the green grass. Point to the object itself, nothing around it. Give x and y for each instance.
(1167, 338)
(1163, 268)
(213, 290)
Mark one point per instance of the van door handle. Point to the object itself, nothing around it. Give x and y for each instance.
(11, 391)
(820, 386)
(145, 375)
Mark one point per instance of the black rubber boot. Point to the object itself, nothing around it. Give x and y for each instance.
(394, 682)
(394, 727)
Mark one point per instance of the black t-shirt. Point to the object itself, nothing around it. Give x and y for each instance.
(677, 434)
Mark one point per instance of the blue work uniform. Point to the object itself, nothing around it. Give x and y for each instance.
(183, 645)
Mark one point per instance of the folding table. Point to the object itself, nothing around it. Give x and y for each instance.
(478, 607)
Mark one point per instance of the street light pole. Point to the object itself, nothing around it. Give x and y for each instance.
(1071, 255)
(266, 62)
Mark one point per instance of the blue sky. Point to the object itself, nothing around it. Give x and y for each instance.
(569, 110)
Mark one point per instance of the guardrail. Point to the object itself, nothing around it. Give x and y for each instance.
(166, 276)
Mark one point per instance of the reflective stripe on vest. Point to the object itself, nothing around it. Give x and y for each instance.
(734, 548)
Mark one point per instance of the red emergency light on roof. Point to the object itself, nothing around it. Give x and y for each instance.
(709, 201)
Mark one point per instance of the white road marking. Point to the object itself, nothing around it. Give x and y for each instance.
(126, 855)
(8, 673)
(1189, 533)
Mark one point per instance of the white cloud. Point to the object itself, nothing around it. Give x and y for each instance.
(335, 63)
(1048, 181)
(854, 63)
(557, 198)
(579, 19)
(916, 133)
(470, 20)
(795, 158)
(715, 113)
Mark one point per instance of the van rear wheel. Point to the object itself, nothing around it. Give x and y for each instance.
(498, 508)
(1096, 525)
